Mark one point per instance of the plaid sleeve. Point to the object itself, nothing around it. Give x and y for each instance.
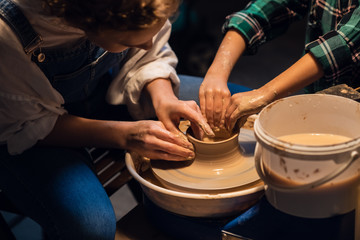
(332, 52)
(264, 20)
(338, 51)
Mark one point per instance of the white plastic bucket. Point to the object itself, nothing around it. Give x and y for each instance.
(306, 180)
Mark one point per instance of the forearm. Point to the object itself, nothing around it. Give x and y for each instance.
(231, 48)
(73, 131)
(304, 72)
(159, 90)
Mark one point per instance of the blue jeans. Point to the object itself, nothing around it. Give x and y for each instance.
(57, 189)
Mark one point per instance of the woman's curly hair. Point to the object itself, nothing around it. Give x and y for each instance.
(122, 15)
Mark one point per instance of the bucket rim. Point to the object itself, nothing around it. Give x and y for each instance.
(269, 141)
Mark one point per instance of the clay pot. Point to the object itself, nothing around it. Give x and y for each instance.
(218, 165)
(220, 181)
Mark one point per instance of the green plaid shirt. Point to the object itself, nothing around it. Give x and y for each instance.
(332, 34)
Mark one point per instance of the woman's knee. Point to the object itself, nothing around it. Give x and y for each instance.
(96, 221)
(83, 206)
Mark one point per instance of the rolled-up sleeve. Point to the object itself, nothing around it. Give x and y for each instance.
(141, 68)
(262, 21)
(338, 50)
(22, 129)
(29, 106)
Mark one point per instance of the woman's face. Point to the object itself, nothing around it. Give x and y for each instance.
(117, 41)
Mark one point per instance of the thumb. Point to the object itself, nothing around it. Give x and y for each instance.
(174, 129)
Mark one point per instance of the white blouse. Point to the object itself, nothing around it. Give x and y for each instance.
(30, 106)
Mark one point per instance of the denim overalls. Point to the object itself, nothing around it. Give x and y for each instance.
(54, 186)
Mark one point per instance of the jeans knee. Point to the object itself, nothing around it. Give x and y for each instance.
(90, 225)
(101, 226)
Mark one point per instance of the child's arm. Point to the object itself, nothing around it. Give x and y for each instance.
(214, 94)
(305, 71)
(256, 24)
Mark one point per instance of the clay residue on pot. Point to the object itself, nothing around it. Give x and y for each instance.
(220, 135)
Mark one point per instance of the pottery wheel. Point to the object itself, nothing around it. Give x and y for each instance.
(228, 172)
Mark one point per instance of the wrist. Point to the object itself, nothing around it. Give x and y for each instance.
(160, 90)
(218, 73)
(121, 132)
(266, 94)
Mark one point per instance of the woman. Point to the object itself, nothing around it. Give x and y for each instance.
(60, 60)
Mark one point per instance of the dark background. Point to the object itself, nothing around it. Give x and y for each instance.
(197, 34)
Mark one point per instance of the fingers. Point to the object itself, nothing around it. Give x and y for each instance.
(230, 116)
(173, 135)
(206, 104)
(193, 113)
(237, 108)
(213, 103)
(152, 140)
(157, 148)
(209, 106)
(197, 133)
(202, 101)
(226, 102)
(241, 106)
(217, 111)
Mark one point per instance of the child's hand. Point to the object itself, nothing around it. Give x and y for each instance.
(244, 104)
(214, 98)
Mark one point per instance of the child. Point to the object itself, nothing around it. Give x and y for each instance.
(331, 54)
(60, 59)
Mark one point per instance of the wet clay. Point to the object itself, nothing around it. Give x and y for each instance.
(314, 139)
(220, 135)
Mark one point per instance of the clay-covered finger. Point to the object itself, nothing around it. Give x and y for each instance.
(226, 102)
(218, 108)
(171, 149)
(209, 108)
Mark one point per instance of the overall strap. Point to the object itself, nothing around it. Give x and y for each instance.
(14, 17)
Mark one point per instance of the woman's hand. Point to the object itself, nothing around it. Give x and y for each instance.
(214, 96)
(148, 138)
(169, 110)
(152, 140)
(172, 110)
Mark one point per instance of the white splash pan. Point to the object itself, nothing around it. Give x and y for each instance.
(212, 205)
